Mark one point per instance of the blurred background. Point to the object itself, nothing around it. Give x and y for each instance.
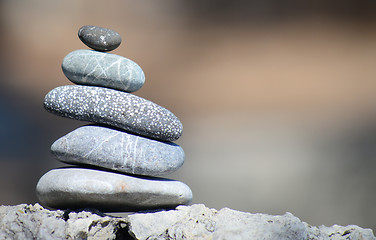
(277, 98)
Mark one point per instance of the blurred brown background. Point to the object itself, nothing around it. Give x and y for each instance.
(277, 98)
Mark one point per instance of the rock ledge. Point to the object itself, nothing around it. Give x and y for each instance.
(186, 222)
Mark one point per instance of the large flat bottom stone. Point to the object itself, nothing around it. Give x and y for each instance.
(76, 188)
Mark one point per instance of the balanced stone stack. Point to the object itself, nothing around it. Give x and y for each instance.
(130, 143)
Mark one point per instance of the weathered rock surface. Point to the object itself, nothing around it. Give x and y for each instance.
(117, 150)
(89, 67)
(98, 38)
(108, 191)
(34, 222)
(115, 108)
(193, 222)
(200, 222)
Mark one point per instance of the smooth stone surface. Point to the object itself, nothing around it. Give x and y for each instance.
(117, 150)
(107, 191)
(98, 38)
(115, 108)
(87, 67)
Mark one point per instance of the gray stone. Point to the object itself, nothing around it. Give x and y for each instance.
(115, 108)
(200, 222)
(87, 67)
(193, 222)
(108, 191)
(34, 222)
(98, 38)
(118, 150)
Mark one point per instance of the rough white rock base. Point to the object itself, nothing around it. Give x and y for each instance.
(186, 222)
(35, 222)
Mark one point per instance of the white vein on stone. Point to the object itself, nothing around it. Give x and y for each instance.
(117, 150)
(103, 69)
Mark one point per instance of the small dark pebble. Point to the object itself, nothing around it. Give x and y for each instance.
(98, 38)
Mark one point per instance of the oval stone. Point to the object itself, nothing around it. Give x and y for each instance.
(117, 150)
(115, 108)
(87, 67)
(98, 38)
(109, 192)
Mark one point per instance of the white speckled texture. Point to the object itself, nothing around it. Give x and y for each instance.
(107, 191)
(115, 108)
(98, 38)
(117, 150)
(87, 67)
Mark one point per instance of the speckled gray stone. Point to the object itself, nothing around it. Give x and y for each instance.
(98, 38)
(87, 67)
(117, 150)
(115, 108)
(107, 191)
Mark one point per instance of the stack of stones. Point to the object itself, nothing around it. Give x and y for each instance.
(130, 143)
